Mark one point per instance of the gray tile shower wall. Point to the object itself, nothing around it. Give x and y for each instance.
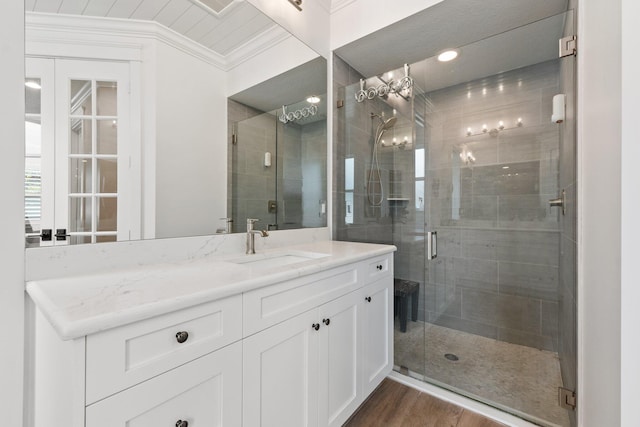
(295, 179)
(247, 186)
(497, 271)
(252, 184)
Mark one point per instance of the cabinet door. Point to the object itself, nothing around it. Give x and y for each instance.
(340, 387)
(280, 374)
(377, 360)
(205, 392)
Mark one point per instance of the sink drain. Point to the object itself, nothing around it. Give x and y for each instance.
(452, 357)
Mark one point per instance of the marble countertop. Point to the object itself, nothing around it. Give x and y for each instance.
(80, 305)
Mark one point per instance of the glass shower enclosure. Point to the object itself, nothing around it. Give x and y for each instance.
(277, 166)
(475, 157)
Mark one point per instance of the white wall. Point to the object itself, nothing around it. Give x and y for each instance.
(311, 25)
(630, 292)
(269, 63)
(362, 17)
(600, 146)
(12, 212)
(191, 135)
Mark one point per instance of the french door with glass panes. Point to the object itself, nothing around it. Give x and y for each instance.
(84, 153)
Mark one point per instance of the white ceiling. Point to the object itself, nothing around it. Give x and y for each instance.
(492, 35)
(285, 89)
(238, 24)
(463, 24)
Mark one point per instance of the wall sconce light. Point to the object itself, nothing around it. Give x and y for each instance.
(494, 131)
(297, 4)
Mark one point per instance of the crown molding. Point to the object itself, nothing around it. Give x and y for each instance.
(45, 29)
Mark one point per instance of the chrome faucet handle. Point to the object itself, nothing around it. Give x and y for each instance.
(228, 222)
(250, 222)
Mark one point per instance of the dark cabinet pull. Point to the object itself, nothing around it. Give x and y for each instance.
(182, 336)
(61, 234)
(326, 321)
(181, 423)
(316, 326)
(367, 299)
(379, 267)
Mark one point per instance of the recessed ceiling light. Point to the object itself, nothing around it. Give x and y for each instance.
(313, 99)
(448, 55)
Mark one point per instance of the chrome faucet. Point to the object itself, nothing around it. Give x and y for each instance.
(251, 234)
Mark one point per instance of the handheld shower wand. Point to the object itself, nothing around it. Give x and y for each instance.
(375, 165)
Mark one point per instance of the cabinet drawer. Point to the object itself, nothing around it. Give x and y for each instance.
(379, 267)
(206, 392)
(122, 357)
(267, 306)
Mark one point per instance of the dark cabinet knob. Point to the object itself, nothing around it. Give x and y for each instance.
(367, 299)
(181, 423)
(316, 326)
(182, 336)
(379, 267)
(326, 321)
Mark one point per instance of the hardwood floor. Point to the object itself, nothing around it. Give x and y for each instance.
(394, 404)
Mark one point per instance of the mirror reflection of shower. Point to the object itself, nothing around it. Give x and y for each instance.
(375, 165)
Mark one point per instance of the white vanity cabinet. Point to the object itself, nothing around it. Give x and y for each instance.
(204, 392)
(377, 333)
(302, 347)
(314, 368)
(182, 366)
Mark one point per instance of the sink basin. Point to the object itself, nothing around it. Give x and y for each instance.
(276, 259)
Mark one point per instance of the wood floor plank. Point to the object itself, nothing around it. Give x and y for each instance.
(395, 405)
(386, 406)
(471, 419)
(428, 411)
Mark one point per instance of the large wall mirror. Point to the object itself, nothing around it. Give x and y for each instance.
(150, 119)
(278, 152)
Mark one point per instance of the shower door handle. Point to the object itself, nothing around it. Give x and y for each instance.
(432, 244)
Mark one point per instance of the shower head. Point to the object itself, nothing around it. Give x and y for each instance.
(385, 124)
(389, 123)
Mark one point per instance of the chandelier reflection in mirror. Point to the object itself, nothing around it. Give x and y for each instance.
(302, 113)
(400, 87)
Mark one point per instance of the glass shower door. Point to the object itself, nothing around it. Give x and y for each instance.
(253, 183)
(496, 312)
(495, 294)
